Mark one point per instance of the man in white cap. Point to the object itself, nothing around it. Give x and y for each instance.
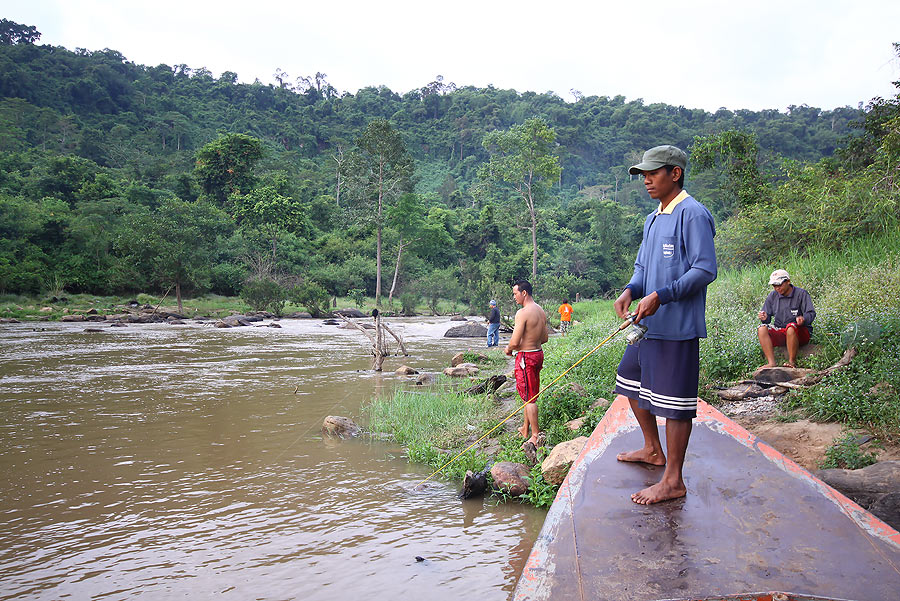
(493, 333)
(791, 310)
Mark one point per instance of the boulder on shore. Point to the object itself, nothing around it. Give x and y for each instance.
(461, 371)
(470, 329)
(510, 477)
(555, 467)
(424, 380)
(350, 312)
(405, 370)
(335, 425)
(461, 357)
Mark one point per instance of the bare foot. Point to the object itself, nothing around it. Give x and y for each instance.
(535, 439)
(789, 364)
(766, 366)
(660, 491)
(524, 430)
(643, 456)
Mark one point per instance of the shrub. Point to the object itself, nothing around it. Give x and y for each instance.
(312, 296)
(358, 296)
(264, 295)
(408, 302)
(228, 279)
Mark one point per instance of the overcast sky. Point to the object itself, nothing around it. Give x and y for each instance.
(703, 54)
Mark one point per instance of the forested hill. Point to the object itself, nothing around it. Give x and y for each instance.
(100, 106)
(96, 153)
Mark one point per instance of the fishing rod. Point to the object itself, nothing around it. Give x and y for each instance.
(632, 337)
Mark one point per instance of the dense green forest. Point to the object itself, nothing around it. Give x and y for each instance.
(117, 177)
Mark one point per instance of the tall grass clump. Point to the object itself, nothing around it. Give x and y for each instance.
(855, 287)
(435, 425)
(866, 393)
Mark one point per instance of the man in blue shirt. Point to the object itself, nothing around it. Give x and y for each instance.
(659, 375)
(493, 333)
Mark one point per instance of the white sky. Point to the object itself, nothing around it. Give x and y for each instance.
(703, 54)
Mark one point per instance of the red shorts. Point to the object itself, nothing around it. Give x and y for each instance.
(528, 374)
(778, 337)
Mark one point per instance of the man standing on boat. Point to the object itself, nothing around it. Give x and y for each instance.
(529, 333)
(660, 373)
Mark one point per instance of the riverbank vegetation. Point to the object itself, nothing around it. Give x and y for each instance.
(863, 395)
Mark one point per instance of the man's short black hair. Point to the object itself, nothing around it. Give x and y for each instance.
(524, 286)
(680, 179)
(565, 301)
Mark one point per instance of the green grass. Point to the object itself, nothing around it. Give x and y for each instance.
(846, 454)
(435, 426)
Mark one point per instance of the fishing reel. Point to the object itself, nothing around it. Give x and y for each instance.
(635, 331)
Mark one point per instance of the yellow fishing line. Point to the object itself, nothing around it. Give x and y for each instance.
(541, 391)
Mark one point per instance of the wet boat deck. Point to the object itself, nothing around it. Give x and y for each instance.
(752, 520)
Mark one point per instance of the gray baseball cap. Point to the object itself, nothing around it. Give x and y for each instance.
(493, 303)
(660, 156)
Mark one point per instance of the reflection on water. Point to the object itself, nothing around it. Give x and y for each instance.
(187, 460)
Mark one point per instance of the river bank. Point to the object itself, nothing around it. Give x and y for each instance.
(856, 432)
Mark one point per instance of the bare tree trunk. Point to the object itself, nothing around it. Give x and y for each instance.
(378, 353)
(378, 238)
(379, 349)
(178, 297)
(339, 159)
(396, 271)
(397, 338)
(533, 245)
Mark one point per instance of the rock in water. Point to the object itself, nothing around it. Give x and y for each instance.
(512, 478)
(474, 484)
(335, 425)
(467, 330)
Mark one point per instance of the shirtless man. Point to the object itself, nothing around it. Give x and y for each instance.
(529, 333)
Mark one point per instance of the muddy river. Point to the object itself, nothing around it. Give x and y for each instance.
(187, 461)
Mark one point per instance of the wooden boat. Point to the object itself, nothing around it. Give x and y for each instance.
(752, 520)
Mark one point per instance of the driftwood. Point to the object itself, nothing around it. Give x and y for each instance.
(757, 387)
(844, 361)
(379, 348)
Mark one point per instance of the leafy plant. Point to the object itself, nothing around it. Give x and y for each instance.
(265, 295)
(540, 493)
(358, 296)
(312, 296)
(845, 453)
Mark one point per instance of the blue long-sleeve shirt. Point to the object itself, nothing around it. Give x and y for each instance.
(677, 259)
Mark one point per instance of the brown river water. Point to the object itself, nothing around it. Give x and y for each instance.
(169, 462)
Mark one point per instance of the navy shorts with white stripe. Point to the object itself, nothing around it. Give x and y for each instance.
(663, 375)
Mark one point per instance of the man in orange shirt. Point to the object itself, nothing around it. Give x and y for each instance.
(565, 316)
